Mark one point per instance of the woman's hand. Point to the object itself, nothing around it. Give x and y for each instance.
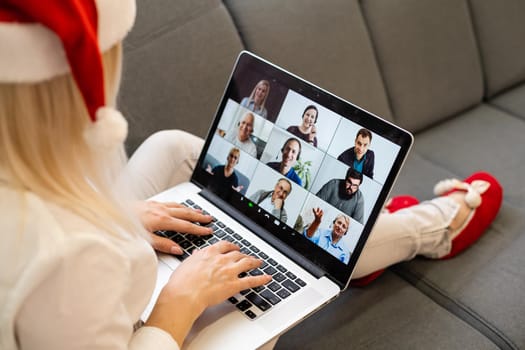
(208, 277)
(171, 217)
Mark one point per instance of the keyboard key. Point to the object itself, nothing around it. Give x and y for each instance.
(270, 270)
(283, 293)
(246, 242)
(282, 268)
(254, 249)
(258, 289)
(262, 304)
(185, 244)
(256, 272)
(243, 305)
(290, 275)
(237, 236)
(274, 286)
(220, 233)
(263, 255)
(190, 202)
(233, 300)
(292, 287)
(279, 277)
(272, 262)
(250, 314)
(272, 298)
(300, 282)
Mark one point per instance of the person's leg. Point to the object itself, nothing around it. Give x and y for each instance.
(419, 229)
(163, 160)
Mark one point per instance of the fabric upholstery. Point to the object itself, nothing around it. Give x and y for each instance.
(427, 53)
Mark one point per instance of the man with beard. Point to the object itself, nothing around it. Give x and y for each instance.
(344, 194)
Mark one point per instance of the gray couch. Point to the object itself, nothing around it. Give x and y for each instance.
(451, 71)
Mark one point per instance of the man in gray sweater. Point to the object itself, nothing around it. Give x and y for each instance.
(344, 194)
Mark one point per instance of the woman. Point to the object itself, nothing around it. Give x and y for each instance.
(80, 269)
(306, 130)
(224, 177)
(257, 99)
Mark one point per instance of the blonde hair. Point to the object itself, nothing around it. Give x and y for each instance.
(252, 95)
(43, 149)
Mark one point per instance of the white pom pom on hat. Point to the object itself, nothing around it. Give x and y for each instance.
(108, 131)
(44, 39)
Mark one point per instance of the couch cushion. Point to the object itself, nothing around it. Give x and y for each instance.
(427, 52)
(512, 101)
(388, 314)
(494, 143)
(500, 29)
(327, 44)
(168, 81)
(487, 280)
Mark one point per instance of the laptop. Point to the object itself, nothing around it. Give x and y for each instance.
(297, 198)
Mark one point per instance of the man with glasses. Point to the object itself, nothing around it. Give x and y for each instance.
(344, 194)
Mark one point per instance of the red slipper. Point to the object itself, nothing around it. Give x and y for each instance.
(484, 196)
(394, 204)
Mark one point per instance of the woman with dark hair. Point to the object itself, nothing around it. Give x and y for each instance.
(306, 130)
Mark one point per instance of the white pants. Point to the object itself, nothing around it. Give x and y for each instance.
(168, 157)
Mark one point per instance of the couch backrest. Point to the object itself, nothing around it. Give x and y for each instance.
(417, 62)
(427, 54)
(325, 42)
(500, 30)
(177, 61)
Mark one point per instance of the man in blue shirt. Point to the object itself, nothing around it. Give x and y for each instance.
(330, 239)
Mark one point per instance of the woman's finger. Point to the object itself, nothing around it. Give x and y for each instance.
(164, 245)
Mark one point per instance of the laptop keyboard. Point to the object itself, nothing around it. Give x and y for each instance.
(251, 302)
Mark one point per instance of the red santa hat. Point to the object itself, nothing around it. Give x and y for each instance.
(42, 39)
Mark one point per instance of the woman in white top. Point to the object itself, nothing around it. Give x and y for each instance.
(78, 268)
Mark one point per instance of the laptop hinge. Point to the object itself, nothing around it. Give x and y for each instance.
(240, 217)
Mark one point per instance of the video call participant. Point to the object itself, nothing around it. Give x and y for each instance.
(273, 201)
(255, 102)
(360, 157)
(330, 239)
(306, 130)
(224, 176)
(345, 195)
(290, 154)
(241, 138)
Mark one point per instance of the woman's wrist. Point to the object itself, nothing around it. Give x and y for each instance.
(175, 313)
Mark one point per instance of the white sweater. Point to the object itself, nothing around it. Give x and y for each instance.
(66, 285)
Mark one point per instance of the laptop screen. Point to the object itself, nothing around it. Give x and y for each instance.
(309, 167)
